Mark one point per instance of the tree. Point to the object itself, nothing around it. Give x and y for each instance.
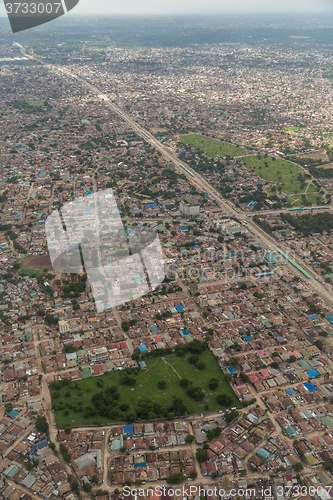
(189, 439)
(201, 455)
(95, 479)
(224, 399)
(42, 424)
(193, 474)
(8, 407)
(67, 429)
(232, 415)
(213, 384)
(244, 377)
(298, 466)
(128, 380)
(74, 485)
(161, 384)
(319, 344)
(87, 487)
(178, 477)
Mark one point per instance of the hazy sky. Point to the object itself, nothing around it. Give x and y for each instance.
(144, 7)
(201, 6)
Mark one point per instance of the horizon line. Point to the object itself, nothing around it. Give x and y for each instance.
(178, 14)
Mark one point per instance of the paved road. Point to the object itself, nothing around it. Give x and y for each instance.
(195, 178)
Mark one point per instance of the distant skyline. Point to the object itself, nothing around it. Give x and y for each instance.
(181, 7)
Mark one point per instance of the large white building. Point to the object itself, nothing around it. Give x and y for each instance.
(189, 209)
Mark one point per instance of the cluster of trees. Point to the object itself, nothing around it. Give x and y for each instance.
(126, 324)
(213, 433)
(60, 383)
(176, 478)
(224, 400)
(201, 454)
(231, 415)
(71, 290)
(42, 424)
(195, 393)
(105, 402)
(308, 224)
(195, 347)
(64, 451)
(146, 409)
(31, 106)
(195, 360)
(51, 320)
(150, 354)
(213, 384)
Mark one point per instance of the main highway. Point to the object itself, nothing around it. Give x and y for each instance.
(314, 283)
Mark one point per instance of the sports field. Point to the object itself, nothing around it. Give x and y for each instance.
(71, 401)
(212, 147)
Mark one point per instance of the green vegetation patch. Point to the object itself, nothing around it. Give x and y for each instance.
(310, 223)
(143, 393)
(212, 147)
(294, 129)
(273, 170)
(35, 106)
(32, 273)
(315, 199)
(295, 187)
(306, 200)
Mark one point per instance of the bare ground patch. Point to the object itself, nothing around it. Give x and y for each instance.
(38, 262)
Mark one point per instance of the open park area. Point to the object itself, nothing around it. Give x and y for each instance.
(212, 147)
(169, 386)
(285, 177)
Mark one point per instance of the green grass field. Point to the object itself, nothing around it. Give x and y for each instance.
(79, 394)
(294, 129)
(315, 199)
(311, 199)
(212, 147)
(32, 106)
(295, 188)
(277, 171)
(312, 189)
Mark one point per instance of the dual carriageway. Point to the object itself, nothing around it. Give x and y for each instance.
(195, 178)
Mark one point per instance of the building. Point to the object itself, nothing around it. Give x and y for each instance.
(270, 257)
(63, 326)
(189, 209)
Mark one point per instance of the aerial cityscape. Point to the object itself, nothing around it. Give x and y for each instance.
(166, 258)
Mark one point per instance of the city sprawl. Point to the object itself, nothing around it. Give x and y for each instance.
(166, 260)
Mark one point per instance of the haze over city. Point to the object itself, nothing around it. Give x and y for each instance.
(189, 7)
